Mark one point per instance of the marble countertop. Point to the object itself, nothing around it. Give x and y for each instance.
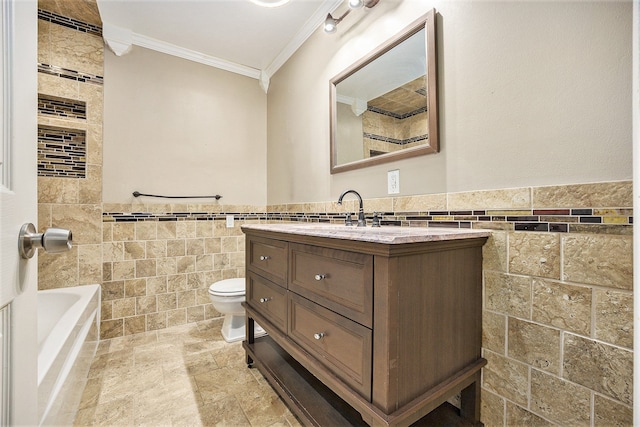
(384, 234)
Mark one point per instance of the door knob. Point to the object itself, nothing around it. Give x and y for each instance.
(53, 240)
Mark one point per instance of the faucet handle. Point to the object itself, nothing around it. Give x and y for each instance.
(347, 220)
(376, 219)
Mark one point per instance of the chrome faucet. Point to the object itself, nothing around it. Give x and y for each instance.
(361, 220)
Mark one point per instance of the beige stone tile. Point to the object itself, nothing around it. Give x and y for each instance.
(93, 95)
(609, 413)
(237, 260)
(510, 198)
(134, 325)
(221, 261)
(57, 190)
(89, 274)
(94, 145)
(186, 264)
(167, 302)
(176, 317)
(135, 288)
(145, 268)
(85, 221)
(508, 294)
(106, 310)
(213, 245)
(146, 230)
(166, 230)
(223, 411)
(107, 232)
(563, 306)
(228, 244)
(261, 405)
(156, 285)
(491, 409)
(176, 282)
(195, 246)
(535, 254)
(44, 216)
(534, 344)
(156, 248)
(518, 416)
(75, 50)
(493, 332)
(167, 266)
(603, 194)
(506, 377)
(116, 412)
(123, 231)
(558, 400)
(113, 251)
(124, 270)
(107, 271)
(204, 262)
(124, 307)
(176, 248)
(221, 382)
(186, 229)
(57, 270)
(494, 252)
(384, 204)
(600, 367)
(420, 203)
(90, 187)
(134, 250)
(602, 260)
(53, 85)
(156, 321)
(112, 290)
(146, 305)
(186, 298)
(614, 317)
(196, 313)
(204, 228)
(111, 329)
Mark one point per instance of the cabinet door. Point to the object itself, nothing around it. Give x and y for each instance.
(339, 280)
(342, 345)
(268, 299)
(268, 258)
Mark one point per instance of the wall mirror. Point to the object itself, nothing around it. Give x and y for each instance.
(384, 107)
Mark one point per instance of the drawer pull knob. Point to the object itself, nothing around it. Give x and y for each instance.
(318, 335)
(321, 276)
(264, 257)
(265, 299)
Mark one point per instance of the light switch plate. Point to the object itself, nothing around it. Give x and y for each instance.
(229, 221)
(393, 181)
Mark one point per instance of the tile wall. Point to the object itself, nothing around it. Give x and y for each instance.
(70, 147)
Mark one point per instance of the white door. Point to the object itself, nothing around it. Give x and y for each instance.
(18, 205)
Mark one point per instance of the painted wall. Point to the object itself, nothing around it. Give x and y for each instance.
(175, 127)
(530, 94)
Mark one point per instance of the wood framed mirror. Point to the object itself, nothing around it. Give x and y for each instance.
(385, 106)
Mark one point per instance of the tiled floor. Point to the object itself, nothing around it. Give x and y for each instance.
(182, 376)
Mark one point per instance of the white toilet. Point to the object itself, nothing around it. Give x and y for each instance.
(227, 297)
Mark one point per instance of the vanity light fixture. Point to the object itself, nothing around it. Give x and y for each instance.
(331, 23)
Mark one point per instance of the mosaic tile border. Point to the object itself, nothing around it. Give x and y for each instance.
(62, 152)
(62, 107)
(576, 220)
(70, 23)
(65, 73)
(395, 141)
(396, 115)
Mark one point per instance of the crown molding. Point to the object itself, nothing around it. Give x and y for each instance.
(301, 36)
(192, 55)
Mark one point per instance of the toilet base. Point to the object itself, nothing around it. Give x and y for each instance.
(233, 328)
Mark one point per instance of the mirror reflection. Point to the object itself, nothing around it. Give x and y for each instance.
(381, 105)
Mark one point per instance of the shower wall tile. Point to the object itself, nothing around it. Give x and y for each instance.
(559, 401)
(563, 306)
(614, 317)
(607, 413)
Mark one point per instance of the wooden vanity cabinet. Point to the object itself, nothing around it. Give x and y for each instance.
(387, 332)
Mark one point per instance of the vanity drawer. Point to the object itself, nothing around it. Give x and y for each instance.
(268, 258)
(268, 299)
(339, 280)
(343, 346)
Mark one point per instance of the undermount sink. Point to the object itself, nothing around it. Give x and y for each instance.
(384, 234)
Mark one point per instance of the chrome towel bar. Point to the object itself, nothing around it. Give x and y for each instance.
(138, 194)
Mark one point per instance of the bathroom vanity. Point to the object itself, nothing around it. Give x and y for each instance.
(374, 326)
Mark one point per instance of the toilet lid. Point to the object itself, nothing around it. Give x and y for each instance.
(228, 287)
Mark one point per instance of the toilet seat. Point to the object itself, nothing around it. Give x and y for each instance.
(228, 288)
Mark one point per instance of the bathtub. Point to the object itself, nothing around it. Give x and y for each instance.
(68, 333)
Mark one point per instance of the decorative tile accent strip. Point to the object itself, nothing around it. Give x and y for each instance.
(396, 115)
(70, 23)
(70, 74)
(61, 152)
(394, 140)
(579, 220)
(62, 107)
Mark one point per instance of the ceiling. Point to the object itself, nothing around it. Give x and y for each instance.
(236, 35)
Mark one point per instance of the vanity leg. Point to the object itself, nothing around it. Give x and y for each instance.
(470, 401)
(250, 334)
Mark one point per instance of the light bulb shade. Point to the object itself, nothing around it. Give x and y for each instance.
(330, 24)
(356, 4)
